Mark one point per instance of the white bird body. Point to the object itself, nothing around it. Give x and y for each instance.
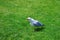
(34, 22)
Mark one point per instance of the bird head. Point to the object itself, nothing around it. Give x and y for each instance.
(28, 18)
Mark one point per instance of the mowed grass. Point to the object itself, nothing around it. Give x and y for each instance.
(13, 23)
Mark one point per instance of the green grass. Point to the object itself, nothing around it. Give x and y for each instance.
(13, 23)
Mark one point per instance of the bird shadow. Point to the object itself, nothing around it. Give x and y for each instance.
(39, 29)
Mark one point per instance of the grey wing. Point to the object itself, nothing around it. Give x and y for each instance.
(37, 24)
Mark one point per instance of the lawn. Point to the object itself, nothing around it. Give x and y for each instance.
(13, 23)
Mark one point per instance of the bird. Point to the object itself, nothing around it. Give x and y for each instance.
(34, 22)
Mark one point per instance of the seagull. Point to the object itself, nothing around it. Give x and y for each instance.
(34, 22)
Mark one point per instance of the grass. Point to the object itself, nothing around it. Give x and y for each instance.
(13, 23)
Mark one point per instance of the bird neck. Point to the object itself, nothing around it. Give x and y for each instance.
(31, 20)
